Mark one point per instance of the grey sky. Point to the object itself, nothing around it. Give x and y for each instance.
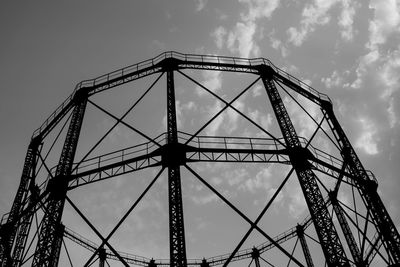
(346, 49)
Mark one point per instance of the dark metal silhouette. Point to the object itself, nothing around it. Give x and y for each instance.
(368, 232)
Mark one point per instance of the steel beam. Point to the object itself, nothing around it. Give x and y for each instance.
(172, 159)
(50, 237)
(329, 239)
(304, 246)
(17, 227)
(368, 187)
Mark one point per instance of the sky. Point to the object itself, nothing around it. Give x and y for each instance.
(349, 50)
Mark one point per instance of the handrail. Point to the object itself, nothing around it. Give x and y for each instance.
(184, 59)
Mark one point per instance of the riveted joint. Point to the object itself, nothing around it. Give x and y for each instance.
(81, 94)
(170, 64)
(300, 156)
(265, 71)
(58, 186)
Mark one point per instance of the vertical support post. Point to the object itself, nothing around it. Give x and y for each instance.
(304, 246)
(204, 263)
(176, 224)
(255, 255)
(15, 229)
(329, 239)
(102, 257)
(348, 235)
(49, 241)
(368, 187)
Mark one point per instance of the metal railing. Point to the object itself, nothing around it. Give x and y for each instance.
(185, 59)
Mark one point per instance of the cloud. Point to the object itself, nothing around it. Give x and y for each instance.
(366, 62)
(240, 39)
(219, 36)
(264, 120)
(200, 4)
(213, 128)
(212, 80)
(261, 180)
(233, 116)
(206, 199)
(367, 141)
(317, 14)
(278, 45)
(297, 204)
(335, 80)
(259, 9)
(346, 19)
(386, 21)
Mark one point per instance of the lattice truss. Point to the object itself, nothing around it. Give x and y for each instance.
(253, 160)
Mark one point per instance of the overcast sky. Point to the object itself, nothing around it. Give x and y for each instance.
(349, 50)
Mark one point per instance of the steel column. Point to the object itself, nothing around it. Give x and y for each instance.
(304, 246)
(368, 187)
(329, 239)
(14, 229)
(50, 240)
(348, 235)
(172, 161)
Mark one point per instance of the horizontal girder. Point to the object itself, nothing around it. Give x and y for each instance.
(200, 149)
(183, 61)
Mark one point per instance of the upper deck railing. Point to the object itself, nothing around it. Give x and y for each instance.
(185, 61)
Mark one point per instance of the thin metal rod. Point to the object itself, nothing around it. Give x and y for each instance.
(229, 104)
(242, 215)
(250, 262)
(295, 245)
(54, 142)
(312, 238)
(125, 216)
(270, 264)
(95, 230)
(124, 123)
(45, 166)
(307, 113)
(66, 250)
(239, 245)
(365, 231)
(359, 230)
(118, 121)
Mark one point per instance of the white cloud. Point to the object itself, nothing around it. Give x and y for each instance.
(317, 14)
(334, 80)
(259, 9)
(297, 205)
(365, 63)
(236, 176)
(233, 116)
(212, 80)
(264, 120)
(262, 180)
(313, 15)
(278, 45)
(346, 19)
(213, 128)
(257, 90)
(367, 141)
(240, 39)
(389, 73)
(200, 4)
(386, 21)
(206, 199)
(219, 36)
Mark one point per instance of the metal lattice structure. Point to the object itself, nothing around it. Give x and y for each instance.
(357, 232)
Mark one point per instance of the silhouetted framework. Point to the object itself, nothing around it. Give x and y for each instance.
(367, 235)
